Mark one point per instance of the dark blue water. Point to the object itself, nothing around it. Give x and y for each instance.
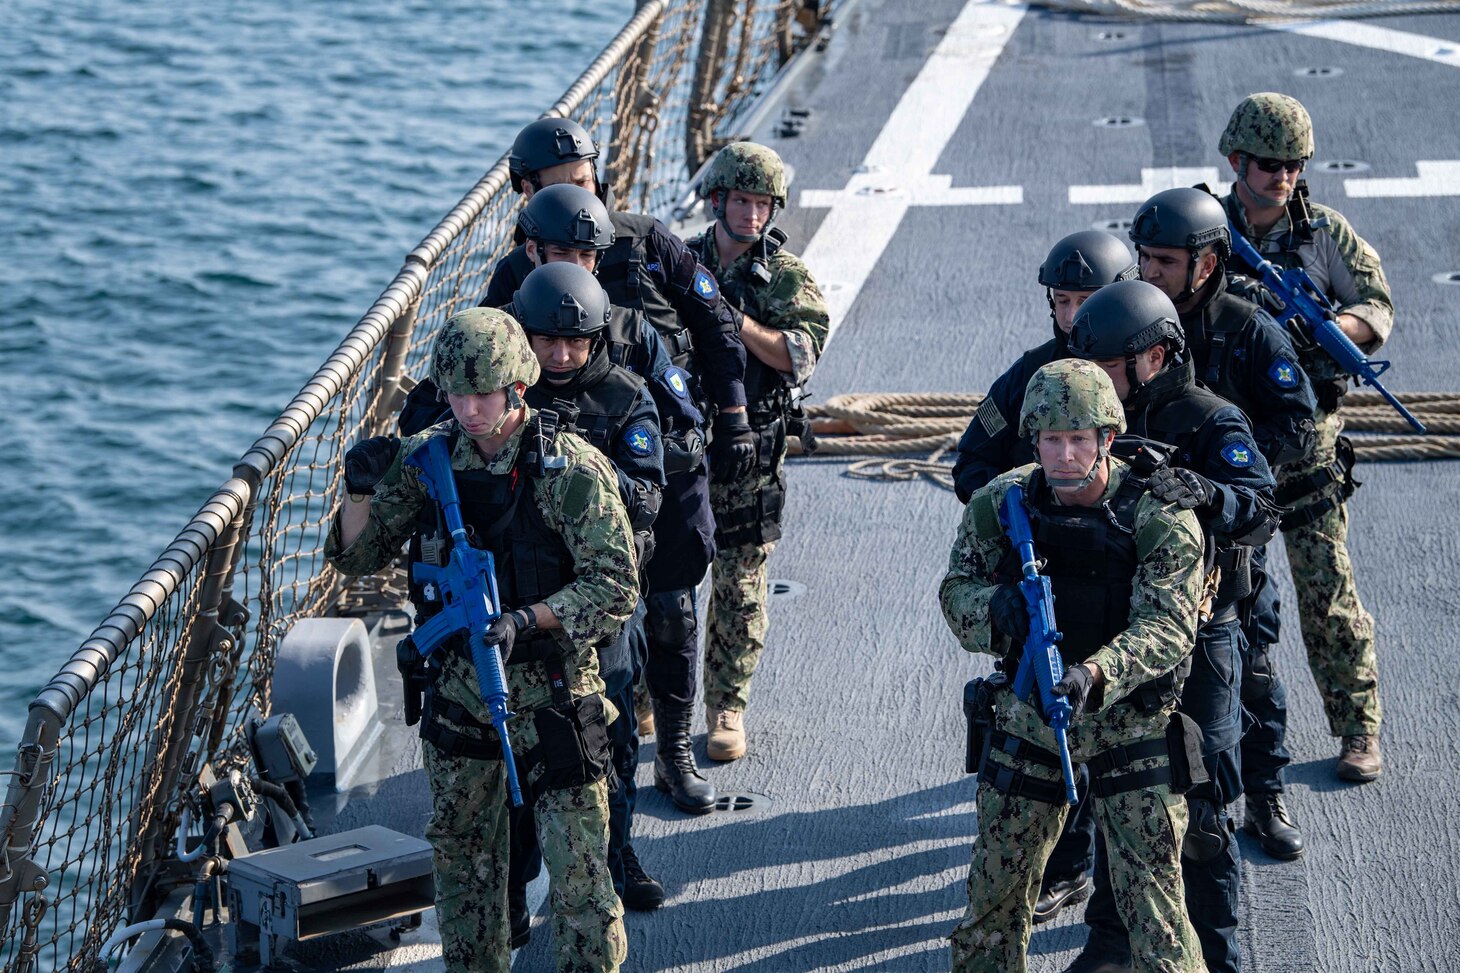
(197, 202)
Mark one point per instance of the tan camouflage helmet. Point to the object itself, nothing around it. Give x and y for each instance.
(481, 350)
(1269, 125)
(748, 167)
(1070, 394)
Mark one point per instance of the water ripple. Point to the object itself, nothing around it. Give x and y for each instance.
(200, 200)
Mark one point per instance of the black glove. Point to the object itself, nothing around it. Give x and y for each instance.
(1188, 490)
(509, 626)
(367, 461)
(1075, 687)
(1008, 612)
(732, 454)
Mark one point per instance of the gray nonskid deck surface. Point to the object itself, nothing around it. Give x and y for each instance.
(860, 859)
(855, 858)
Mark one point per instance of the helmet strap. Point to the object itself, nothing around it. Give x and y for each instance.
(722, 195)
(1060, 483)
(1189, 291)
(1242, 175)
(1130, 373)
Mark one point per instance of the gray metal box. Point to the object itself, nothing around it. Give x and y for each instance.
(330, 884)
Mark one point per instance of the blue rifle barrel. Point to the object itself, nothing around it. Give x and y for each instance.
(1301, 297)
(468, 586)
(1040, 664)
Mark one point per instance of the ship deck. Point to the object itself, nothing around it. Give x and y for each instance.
(939, 160)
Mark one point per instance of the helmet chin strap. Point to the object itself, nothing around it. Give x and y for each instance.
(514, 402)
(1264, 200)
(1130, 375)
(725, 222)
(1061, 483)
(1053, 320)
(1189, 291)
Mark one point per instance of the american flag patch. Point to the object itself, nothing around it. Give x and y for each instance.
(990, 418)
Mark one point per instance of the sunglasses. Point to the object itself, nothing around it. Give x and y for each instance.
(1276, 165)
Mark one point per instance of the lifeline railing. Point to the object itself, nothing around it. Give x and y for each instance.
(165, 683)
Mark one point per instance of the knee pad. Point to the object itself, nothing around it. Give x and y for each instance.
(671, 617)
(1206, 834)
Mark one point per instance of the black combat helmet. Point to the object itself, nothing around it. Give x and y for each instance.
(561, 300)
(1123, 320)
(1087, 261)
(548, 142)
(1188, 219)
(568, 216)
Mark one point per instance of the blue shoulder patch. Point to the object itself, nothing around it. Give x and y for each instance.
(639, 440)
(678, 381)
(652, 267)
(1283, 373)
(1239, 454)
(705, 286)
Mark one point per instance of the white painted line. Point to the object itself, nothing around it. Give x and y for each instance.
(1152, 182)
(1435, 49)
(1436, 178)
(897, 172)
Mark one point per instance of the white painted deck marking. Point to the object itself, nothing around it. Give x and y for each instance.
(1152, 182)
(898, 170)
(1435, 49)
(1436, 178)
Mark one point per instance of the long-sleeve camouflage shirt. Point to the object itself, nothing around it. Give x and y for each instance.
(790, 302)
(1343, 265)
(579, 500)
(1164, 598)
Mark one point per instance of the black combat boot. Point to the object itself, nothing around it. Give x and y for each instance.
(1270, 822)
(1055, 895)
(1085, 963)
(675, 771)
(519, 920)
(641, 893)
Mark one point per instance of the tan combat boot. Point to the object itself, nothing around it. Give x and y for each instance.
(645, 712)
(1360, 759)
(727, 734)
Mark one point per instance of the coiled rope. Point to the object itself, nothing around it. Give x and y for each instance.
(905, 424)
(1250, 11)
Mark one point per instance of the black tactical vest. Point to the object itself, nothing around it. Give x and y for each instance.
(1213, 338)
(1178, 421)
(501, 516)
(1090, 558)
(624, 274)
(602, 395)
(1177, 412)
(625, 338)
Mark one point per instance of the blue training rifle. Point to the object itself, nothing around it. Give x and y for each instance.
(1040, 665)
(1301, 298)
(468, 589)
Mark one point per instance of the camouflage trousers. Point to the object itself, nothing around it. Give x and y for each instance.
(1337, 632)
(469, 832)
(1143, 832)
(739, 615)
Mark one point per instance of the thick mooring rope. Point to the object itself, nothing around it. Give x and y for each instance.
(907, 424)
(1249, 11)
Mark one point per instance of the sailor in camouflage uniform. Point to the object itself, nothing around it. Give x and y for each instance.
(1268, 141)
(1149, 590)
(784, 328)
(549, 509)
